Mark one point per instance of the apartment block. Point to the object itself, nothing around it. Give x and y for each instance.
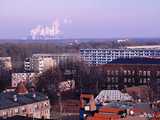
(104, 56)
(42, 62)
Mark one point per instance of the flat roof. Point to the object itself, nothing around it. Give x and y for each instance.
(55, 54)
(145, 46)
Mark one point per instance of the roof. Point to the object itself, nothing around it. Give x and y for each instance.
(87, 96)
(21, 89)
(112, 95)
(144, 47)
(17, 117)
(110, 110)
(137, 107)
(7, 99)
(139, 60)
(55, 54)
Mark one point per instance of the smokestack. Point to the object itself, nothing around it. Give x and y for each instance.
(46, 32)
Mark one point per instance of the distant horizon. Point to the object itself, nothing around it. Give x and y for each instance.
(68, 40)
(82, 38)
(80, 18)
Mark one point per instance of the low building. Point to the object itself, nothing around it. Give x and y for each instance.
(23, 103)
(23, 77)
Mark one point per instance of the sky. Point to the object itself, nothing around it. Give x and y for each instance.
(87, 18)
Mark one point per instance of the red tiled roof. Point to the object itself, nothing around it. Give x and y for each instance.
(21, 89)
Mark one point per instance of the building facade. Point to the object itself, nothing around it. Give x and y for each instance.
(41, 62)
(104, 56)
(122, 75)
(59, 58)
(23, 77)
(21, 102)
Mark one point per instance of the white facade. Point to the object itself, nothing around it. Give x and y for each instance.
(59, 58)
(39, 64)
(42, 64)
(103, 56)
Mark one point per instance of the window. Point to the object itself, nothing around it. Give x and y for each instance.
(129, 80)
(125, 80)
(144, 81)
(148, 73)
(108, 79)
(141, 81)
(140, 73)
(16, 110)
(144, 73)
(108, 72)
(158, 73)
(116, 72)
(125, 72)
(112, 72)
(4, 113)
(129, 72)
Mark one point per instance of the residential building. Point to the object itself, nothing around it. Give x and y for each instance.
(41, 62)
(27, 65)
(59, 57)
(23, 103)
(23, 77)
(104, 56)
(5, 63)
